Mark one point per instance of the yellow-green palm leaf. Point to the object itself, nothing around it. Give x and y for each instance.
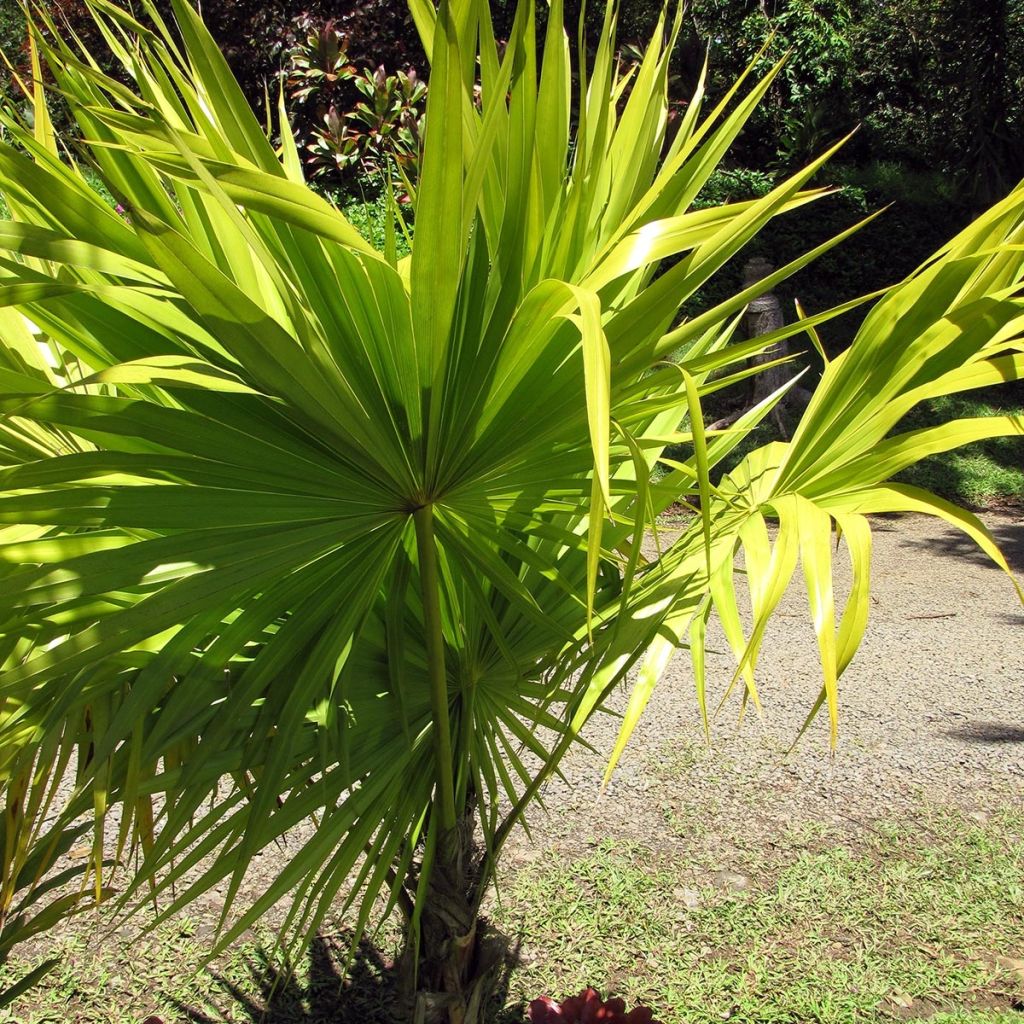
(347, 530)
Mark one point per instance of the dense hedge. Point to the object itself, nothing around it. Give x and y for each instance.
(923, 211)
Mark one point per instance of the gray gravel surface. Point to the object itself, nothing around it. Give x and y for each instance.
(931, 709)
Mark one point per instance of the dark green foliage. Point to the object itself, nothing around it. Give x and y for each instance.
(367, 212)
(941, 83)
(880, 254)
(923, 207)
(12, 42)
(934, 84)
(256, 35)
(348, 125)
(808, 107)
(12, 27)
(937, 87)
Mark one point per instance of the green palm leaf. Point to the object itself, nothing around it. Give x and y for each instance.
(350, 534)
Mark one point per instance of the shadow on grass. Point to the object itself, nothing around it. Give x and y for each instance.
(983, 474)
(325, 991)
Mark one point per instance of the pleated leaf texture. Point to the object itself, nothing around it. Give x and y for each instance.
(291, 528)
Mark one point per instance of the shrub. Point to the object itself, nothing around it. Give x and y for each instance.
(379, 135)
(922, 208)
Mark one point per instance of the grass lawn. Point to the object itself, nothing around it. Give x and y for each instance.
(905, 921)
(981, 475)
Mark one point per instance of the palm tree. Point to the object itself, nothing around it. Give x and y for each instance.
(294, 528)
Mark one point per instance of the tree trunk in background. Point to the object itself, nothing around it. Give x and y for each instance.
(993, 160)
(763, 316)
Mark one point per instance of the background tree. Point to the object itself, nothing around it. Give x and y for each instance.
(940, 83)
(810, 103)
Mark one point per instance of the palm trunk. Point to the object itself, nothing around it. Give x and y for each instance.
(443, 974)
(450, 974)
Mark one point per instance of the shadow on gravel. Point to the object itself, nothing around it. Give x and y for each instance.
(988, 732)
(327, 993)
(1009, 537)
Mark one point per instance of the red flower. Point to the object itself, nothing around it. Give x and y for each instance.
(587, 1008)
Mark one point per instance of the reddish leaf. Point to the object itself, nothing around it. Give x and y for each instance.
(544, 1011)
(587, 1008)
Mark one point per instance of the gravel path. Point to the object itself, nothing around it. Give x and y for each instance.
(931, 709)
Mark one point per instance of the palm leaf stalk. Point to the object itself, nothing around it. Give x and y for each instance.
(291, 528)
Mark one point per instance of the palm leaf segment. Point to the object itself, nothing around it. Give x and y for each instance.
(346, 530)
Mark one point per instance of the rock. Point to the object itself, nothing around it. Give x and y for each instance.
(689, 898)
(732, 881)
(1013, 965)
(900, 999)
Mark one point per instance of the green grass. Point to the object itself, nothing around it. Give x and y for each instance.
(366, 209)
(827, 933)
(904, 922)
(983, 474)
(124, 977)
(368, 217)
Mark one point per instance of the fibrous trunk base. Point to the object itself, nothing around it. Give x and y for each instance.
(458, 964)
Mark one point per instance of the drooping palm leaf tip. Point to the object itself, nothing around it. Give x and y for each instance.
(291, 529)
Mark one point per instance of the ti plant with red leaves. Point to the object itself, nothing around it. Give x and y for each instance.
(383, 133)
(587, 1008)
(365, 121)
(319, 63)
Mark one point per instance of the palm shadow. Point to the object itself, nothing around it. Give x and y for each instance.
(327, 993)
(330, 991)
(988, 732)
(953, 543)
